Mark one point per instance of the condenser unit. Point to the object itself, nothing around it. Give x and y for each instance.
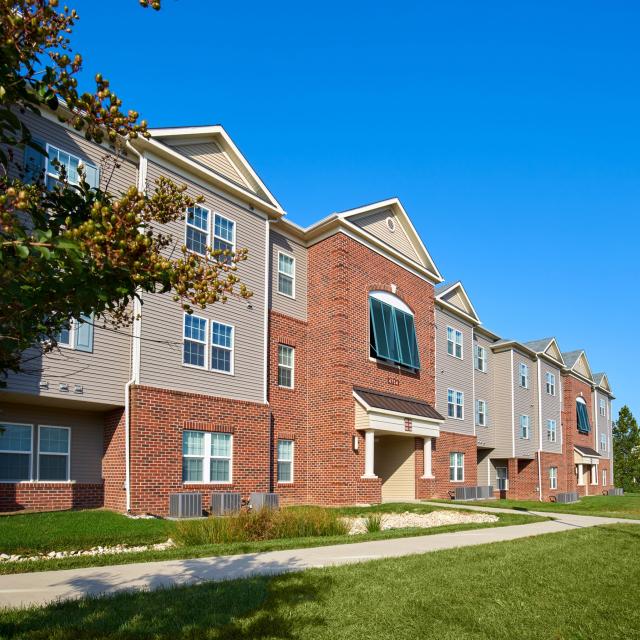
(264, 501)
(567, 497)
(185, 505)
(224, 503)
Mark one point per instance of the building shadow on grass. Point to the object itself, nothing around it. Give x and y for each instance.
(255, 607)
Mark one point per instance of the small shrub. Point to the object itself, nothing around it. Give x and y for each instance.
(374, 522)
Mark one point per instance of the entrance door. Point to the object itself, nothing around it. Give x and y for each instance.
(395, 466)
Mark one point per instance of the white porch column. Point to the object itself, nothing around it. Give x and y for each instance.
(427, 458)
(369, 446)
(580, 474)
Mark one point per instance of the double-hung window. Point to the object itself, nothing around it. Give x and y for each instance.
(454, 342)
(524, 375)
(77, 334)
(286, 275)
(604, 477)
(286, 356)
(198, 229)
(224, 237)
(551, 383)
(16, 443)
(195, 341)
(455, 404)
(206, 456)
(58, 159)
(481, 413)
(480, 358)
(603, 407)
(204, 351)
(456, 467)
(285, 460)
(53, 453)
(553, 477)
(552, 431)
(221, 347)
(603, 442)
(524, 427)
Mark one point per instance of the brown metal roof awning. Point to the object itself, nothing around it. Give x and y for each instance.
(587, 451)
(397, 404)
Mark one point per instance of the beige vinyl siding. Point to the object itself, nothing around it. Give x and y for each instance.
(162, 318)
(493, 476)
(484, 383)
(361, 417)
(603, 423)
(297, 306)
(376, 224)
(454, 373)
(502, 419)
(525, 403)
(86, 435)
(484, 475)
(395, 465)
(551, 407)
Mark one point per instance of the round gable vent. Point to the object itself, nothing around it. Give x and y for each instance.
(391, 224)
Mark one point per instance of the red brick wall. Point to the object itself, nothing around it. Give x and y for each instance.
(158, 418)
(50, 496)
(554, 460)
(113, 461)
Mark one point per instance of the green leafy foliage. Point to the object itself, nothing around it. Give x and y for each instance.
(626, 451)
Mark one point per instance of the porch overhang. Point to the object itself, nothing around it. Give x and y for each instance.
(400, 415)
(585, 455)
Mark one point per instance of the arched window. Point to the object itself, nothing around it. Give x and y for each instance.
(392, 330)
(583, 416)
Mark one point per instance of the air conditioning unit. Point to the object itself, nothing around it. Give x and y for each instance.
(264, 501)
(616, 491)
(474, 493)
(185, 505)
(224, 503)
(484, 492)
(567, 497)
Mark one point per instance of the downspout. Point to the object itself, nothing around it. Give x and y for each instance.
(539, 431)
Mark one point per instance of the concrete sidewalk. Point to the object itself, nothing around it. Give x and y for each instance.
(44, 587)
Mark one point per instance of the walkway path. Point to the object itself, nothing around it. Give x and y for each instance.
(46, 586)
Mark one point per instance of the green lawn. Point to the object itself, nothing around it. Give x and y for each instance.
(83, 529)
(526, 589)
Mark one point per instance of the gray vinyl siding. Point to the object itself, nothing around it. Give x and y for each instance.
(484, 475)
(162, 318)
(483, 383)
(502, 420)
(551, 407)
(525, 403)
(493, 475)
(87, 439)
(454, 373)
(375, 223)
(296, 307)
(603, 422)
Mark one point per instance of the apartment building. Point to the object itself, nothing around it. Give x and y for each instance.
(352, 375)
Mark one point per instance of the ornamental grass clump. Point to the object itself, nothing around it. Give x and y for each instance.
(258, 525)
(374, 522)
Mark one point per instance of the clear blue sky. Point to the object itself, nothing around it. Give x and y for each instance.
(509, 130)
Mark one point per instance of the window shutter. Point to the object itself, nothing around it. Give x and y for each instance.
(92, 175)
(407, 342)
(34, 163)
(84, 333)
(379, 337)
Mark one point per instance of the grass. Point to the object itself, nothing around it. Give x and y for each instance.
(234, 548)
(627, 506)
(526, 589)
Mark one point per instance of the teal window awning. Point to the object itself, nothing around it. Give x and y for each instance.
(583, 418)
(393, 334)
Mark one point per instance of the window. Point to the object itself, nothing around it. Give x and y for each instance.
(221, 347)
(551, 383)
(524, 375)
(603, 407)
(53, 453)
(455, 404)
(481, 413)
(392, 331)
(454, 342)
(502, 478)
(583, 416)
(195, 341)
(198, 229)
(206, 456)
(603, 442)
(78, 334)
(553, 477)
(285, 366)
(604, 477)
(57, 159)
(15, 452)
(456, 467)
(480, 358)
(524, 427)
(286, 275)
(285, 460)
(224, 236)
(552, 431)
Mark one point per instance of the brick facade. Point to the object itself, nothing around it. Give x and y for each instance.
(50, 496)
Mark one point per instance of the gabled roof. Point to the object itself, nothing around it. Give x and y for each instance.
(602, 381)
(548, 347)
(503, 345)
(577, 362)
(455, 298)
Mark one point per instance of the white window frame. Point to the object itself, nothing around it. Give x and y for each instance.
(291, 275)
(483, 359)
(603, 447)
(47, 453)
(204, 342)
(453, 464)
(553, 431)
(550, 383)
(482, 413)
(505, 486)
(604, 478)
(215, 237)
(231, 349)
(47, 171)
(456, 393)
(553, 478)
(528, 427)
(457, 341)
(289, 367)
(603, 407)
(594, 475)
(523, 372)
(207, 457)
(21, 453)
(206, 231)
(279, 460)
